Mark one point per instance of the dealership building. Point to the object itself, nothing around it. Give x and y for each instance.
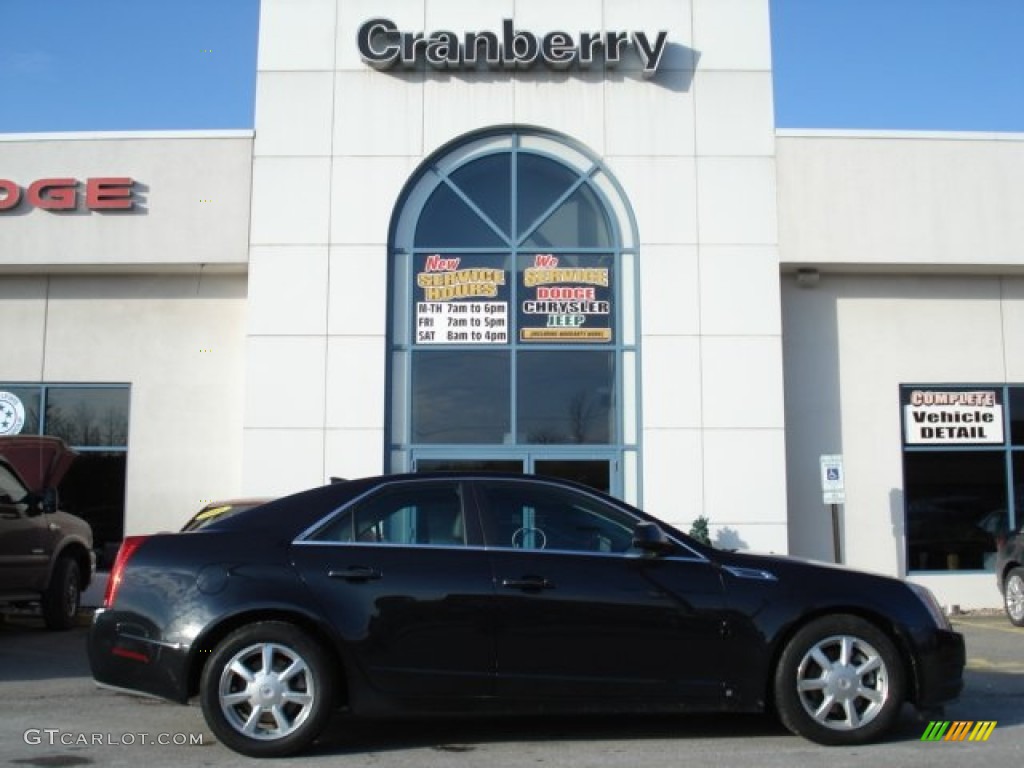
(559, 238)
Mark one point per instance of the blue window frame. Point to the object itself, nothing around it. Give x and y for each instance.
(513, 307)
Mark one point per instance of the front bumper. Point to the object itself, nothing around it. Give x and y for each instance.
(940, 669)
(126, 655)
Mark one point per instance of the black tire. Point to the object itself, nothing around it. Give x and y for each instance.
(239, 713)
(1013, 596)
(833, 700)
(63, 595)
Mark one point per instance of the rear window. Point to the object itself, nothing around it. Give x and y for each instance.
(218, 511)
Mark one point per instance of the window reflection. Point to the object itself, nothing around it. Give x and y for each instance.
(460, 397)
(540, 183)
(580, 220)
(956, 502)
(93, 416)
(565, 397)
(488, 183)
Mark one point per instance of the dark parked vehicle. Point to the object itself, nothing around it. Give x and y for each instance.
(1010, 575)
(489, 593)
(220, 510)
(46, 554)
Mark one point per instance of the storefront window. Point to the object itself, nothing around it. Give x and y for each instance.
(959, 473)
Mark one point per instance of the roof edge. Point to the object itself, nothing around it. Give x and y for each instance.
(246, 133)
(844, 133)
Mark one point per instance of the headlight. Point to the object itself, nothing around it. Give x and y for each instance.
(931, 605)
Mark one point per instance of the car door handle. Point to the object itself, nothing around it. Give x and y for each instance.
(528, 583)
(355, 573)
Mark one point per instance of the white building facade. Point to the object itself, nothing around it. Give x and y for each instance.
(557, 238)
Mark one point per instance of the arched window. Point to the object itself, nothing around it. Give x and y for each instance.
(513, 333)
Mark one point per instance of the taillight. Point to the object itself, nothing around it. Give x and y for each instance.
(128, 547)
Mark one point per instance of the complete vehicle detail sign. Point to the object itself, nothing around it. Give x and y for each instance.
(383, 45)
(952, 417)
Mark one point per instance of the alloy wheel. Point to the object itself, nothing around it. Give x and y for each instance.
(1014, 596)
(266, 691)
(842, 682)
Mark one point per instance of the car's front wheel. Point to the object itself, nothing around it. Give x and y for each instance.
(267, 690)
(839, 681)
(1013, 596)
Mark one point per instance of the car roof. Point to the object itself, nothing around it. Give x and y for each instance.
(292, 514)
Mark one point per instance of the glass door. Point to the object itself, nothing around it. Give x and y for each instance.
(594, 471)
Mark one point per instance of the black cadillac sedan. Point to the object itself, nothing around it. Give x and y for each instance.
(488, 593)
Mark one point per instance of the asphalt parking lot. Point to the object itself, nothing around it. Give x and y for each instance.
(51, 714)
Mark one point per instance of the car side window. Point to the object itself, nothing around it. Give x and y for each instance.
(518, 517)
(429, 515)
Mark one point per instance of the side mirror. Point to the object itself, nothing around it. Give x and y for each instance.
(51, 501)
(649, 538)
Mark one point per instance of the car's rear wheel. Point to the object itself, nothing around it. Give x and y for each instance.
(267, 690)
(1013, 596)
(63, 595)
(839, 681)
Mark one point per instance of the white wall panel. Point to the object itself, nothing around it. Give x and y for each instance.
(737, 200)
(282, 461)
(735, 113)
(294, 111)
(673, 475)
(290, 200)
(352, 453)
(732, 34)
(670, 301)
(296, 35)
(355, 382)
(378, 114)
(671, 381)
(572, 104)
(739, 290)
(455, 105)
(650, 118)
(358, 291)
(742, 381)
(287, 290)
(745, 487)
(285, 379)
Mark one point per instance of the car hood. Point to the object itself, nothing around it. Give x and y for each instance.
(40, 461)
